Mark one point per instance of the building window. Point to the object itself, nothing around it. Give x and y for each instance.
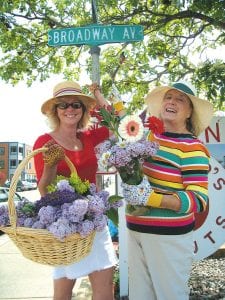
(13, 163)
(2, 164)
(13, 149)
(2, 150)
(21, 150)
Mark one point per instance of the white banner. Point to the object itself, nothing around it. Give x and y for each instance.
(209, 234)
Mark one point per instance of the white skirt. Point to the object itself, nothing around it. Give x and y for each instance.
(102, 256)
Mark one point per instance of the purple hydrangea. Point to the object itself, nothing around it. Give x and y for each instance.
(47, 215)
(100, 222)
(96, 204)
(38, 225)
(28, 222)
(63, 212)
(86, 228)
(77, 210)
(60, 229)
(63, 185)
(4, 215)
(121, 154)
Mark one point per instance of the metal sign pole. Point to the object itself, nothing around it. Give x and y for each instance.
(123, 267)
(95, 50)
(95, 75)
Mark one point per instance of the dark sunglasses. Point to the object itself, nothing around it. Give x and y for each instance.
(65, 105)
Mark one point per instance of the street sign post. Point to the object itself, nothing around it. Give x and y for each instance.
(95, 35)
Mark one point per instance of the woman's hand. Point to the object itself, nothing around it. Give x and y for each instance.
(137, 194)
(93, 87)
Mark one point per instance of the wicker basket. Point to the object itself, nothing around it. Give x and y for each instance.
(39, 245)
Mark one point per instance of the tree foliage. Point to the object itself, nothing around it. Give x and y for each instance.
(178, 38)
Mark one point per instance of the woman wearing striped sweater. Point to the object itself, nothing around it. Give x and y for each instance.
(160, 228)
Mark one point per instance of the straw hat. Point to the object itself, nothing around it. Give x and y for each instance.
(67, 88)
(202, 109)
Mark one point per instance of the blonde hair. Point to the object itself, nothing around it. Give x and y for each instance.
(54, 122)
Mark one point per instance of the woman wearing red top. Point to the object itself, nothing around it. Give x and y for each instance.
(68, 115)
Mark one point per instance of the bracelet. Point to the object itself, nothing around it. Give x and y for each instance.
(94, 87)
(118, 106)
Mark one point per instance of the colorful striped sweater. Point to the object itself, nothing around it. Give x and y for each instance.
(180, 167)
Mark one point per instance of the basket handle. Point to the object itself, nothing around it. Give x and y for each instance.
(15, 178)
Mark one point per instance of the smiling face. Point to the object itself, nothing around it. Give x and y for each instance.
(175, 111)
(69, 114)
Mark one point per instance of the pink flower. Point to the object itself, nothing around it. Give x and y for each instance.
(131, 128)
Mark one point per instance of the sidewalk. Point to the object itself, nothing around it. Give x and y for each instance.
(22, 279)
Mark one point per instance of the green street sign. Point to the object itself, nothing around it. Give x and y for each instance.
(95, 35)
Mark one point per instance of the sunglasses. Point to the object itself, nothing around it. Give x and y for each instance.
(65, 105)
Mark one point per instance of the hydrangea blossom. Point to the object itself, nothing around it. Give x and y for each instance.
(47, 215)
(63, 185)
(61, 228)
(86, 227)
(64, 211)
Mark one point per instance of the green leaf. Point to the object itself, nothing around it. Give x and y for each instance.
(179, 37)
(114, 198)
(28, 209)
(112, 214)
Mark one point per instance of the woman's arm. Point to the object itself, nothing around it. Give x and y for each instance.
(101, 101)
(94, 88)
(48, 175)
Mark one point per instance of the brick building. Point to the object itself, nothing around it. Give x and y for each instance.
(11, 154)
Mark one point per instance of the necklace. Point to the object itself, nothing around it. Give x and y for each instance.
(67, 142)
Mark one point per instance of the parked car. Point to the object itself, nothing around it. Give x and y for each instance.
(21, 186)
(30, 185)
(4, 195)
(33, 184)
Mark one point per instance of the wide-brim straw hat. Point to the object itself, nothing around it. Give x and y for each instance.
(202, 109)
(67, 88)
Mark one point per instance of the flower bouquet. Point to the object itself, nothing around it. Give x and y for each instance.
(128, 148)
(58, 228)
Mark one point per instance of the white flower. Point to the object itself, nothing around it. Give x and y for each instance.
(131, 128)
(122, 144)
(103, 160)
